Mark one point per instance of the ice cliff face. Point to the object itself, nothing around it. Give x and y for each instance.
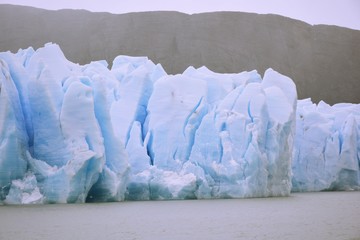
(56, 126)
(327, 147)
(71, 133)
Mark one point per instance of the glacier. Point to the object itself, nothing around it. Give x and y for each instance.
(71, 133)
(327, 147)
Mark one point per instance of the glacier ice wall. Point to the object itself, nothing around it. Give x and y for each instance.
(71, 133)
(57, 138)
(327, 147)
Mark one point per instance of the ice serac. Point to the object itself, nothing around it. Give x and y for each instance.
(206, 136)
(112, 180)
(175, 110)
(327, 147)
(233, 142)
(71, 133)
(13, 137)
(136, 77)
(66, 144)
(67, 154)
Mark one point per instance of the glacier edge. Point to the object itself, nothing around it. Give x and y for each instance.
(72, 133)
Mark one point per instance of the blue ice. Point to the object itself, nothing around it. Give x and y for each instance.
(73, 133)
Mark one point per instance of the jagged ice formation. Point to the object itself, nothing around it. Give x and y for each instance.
(71, 133)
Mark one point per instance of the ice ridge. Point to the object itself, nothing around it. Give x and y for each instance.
(72, 133)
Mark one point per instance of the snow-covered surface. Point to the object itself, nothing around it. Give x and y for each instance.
(72, 133)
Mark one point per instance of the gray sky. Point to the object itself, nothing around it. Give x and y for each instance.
(344, 13)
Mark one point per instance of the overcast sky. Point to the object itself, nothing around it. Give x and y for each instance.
(344, 13)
